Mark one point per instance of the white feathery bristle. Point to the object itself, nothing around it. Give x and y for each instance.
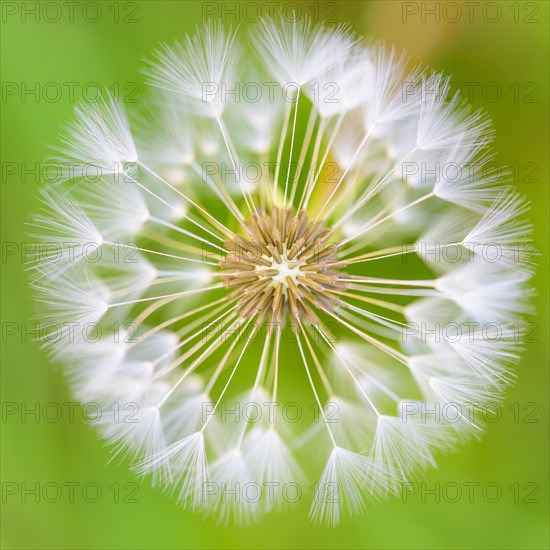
(104, 202)
(134, 382)
(74, 303)
(468, 181)
(89, 364)
(128, 280)
(186, 412)
(231, 495)
(137, 437)
(426, 314)
(341, 88)
(270, 464)
(157, 347)
(501, 235)
(260, 119)
(460, 400)
(454, 393)
(444, 122)
(228, 430)
(185, 460)
(351, 422)
(347, 142)
(445, 379)
(344, 485)
(405, 446)
(451, 229)
(122, 384)
(463, 389)
(371, 371)
(299, 51)
(425, 365)
(486, 293)
(442, 246)
(170, 131)
(197, 67)
(68, 234)
(118, 368)
(392, 90)
(490, 352)
(99, 141)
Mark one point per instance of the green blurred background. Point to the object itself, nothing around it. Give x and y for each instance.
(494, 46)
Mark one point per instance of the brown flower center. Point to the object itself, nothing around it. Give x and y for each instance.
(285, 265)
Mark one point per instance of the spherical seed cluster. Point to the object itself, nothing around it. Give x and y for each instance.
(354, 231)
(286, 265)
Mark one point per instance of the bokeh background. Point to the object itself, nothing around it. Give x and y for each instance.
(489, 48)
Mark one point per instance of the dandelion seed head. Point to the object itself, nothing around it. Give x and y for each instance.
(213, 224)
